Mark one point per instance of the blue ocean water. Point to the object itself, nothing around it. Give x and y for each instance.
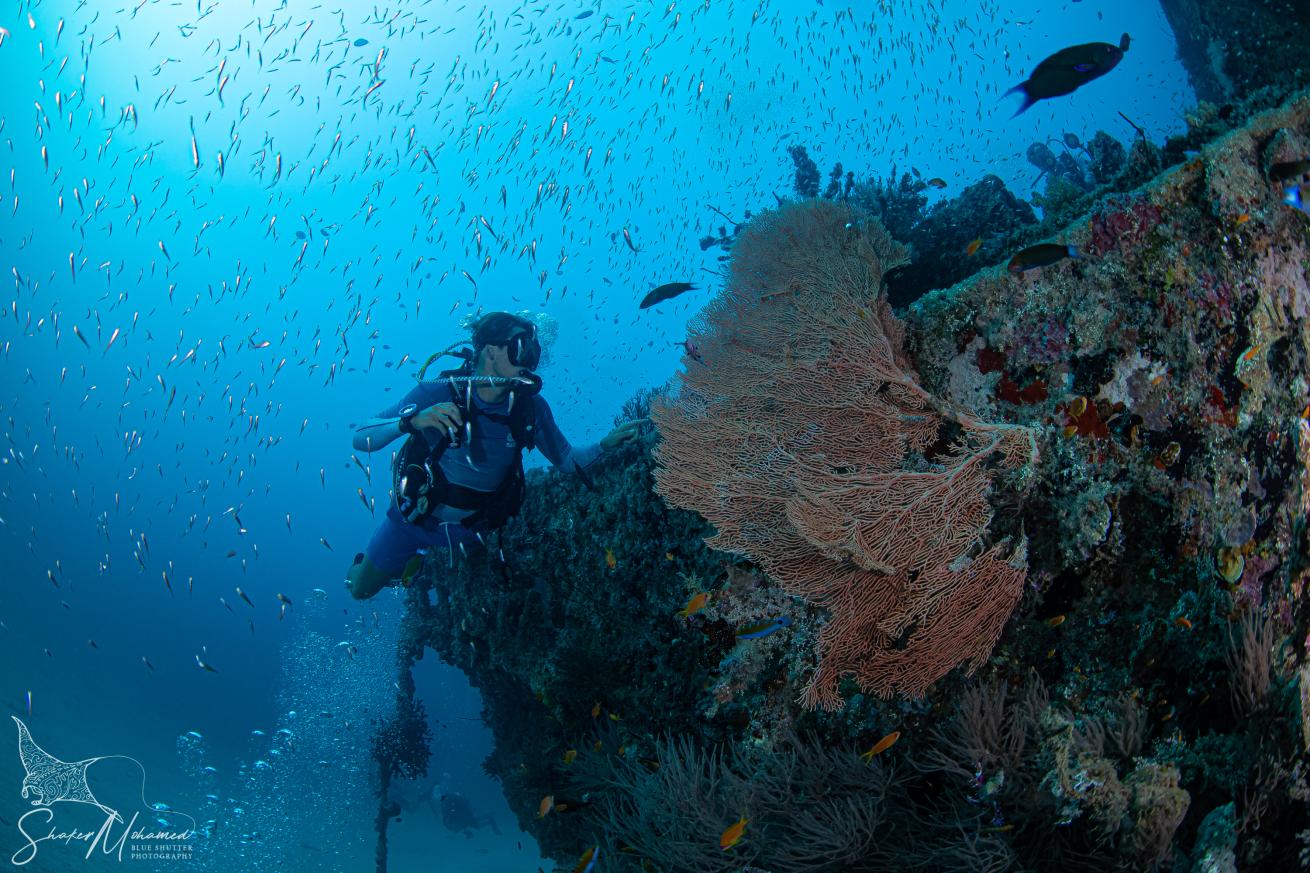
(231, 230)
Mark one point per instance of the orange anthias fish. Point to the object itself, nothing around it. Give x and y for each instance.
(732, 836)
(695, 604)
(972, 248)
(881, 746)
(546, 805)
(610, 561)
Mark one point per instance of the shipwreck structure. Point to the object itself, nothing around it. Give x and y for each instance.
(1109, 452)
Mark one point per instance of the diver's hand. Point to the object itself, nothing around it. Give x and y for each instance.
(622, 434)
(444, 417)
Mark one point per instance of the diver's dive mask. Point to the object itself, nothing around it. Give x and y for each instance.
(524, 349)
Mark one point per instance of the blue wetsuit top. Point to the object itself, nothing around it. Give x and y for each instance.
(485, 462)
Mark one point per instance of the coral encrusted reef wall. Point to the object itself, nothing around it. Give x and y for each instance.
(1145, 705)
(1242, 49)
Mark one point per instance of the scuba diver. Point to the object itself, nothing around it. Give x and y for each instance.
(459, 475)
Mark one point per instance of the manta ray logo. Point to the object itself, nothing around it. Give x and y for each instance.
(52, 780)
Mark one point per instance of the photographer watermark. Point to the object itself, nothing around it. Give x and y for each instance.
(49, 780)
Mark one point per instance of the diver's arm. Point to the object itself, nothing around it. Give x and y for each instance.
(556, 447)
(383, 429)
(376, 434)
(379, 432)
(579, 458)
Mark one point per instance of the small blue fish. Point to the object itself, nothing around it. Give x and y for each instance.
(361, 41)
(763, 628)
(1295, 199)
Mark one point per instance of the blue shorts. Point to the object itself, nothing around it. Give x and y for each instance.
(396, 541)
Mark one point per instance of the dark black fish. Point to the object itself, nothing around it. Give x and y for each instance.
(1069, 69)
(667, 291)
(361, 41)
(1042, 255)
(1289, 170)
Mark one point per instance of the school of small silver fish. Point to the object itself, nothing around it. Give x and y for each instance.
(217, 217)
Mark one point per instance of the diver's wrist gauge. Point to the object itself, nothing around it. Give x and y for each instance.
(407, 414)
